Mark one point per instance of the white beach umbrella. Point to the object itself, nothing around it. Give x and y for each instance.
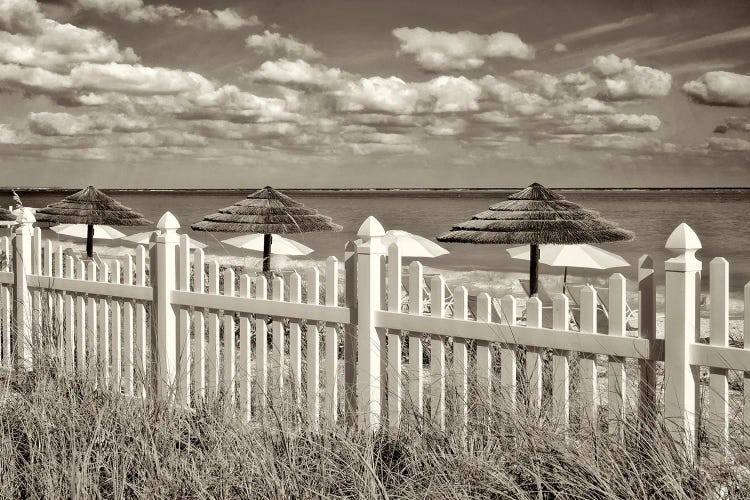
(581, 255)
(412, 245)
(145, 238)
(279, 244)
(101, 232)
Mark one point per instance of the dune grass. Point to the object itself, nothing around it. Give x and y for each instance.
(60, 438)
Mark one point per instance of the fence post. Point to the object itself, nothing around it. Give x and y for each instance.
(350, 332)
(22, 268)
(369, 254)
(163, 274)
(680, 376)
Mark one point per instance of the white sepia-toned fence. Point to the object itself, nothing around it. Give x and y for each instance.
(169, 322)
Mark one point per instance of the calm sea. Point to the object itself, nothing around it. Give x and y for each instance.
(718, 217)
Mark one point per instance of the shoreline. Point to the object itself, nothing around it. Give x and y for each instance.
(370, 191)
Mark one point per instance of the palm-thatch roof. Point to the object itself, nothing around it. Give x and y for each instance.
(6, 215)
(536, 215)
(90, 206)
(266, 211)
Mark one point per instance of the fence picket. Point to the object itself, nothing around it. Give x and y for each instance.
(36, 294)
(393, 371)
(646, 329)
(140, 325)
(103, 330)
(588, 376)
(80, 323)
(229, 339)
(183, 323)
(718, 420)
(261, 344)
(484, 354)
(416, 307)
(243, 365)
(534, 357)
(295, 339)
(212, 362)
(437, 355)
(330, 394)
(461, 362)
(47, 331)
(116, 339)
(198, 369)
(127, 330)
(508, 387)
(92, 325)
(6, 304)
(561, 364)
(59, 298)
(312, 355)
(277, 349)
(616, 365)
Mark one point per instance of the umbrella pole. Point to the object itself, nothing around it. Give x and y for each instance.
(90, 241)
(534, 269)
(565, 279)
(267, 240)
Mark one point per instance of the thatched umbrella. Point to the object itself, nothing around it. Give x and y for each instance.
(91, 207)
(6, 215)
(266, 212)
(536, 216)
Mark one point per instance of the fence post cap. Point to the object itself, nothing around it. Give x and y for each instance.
(371, 231)
(684, 242)
(683, 238)
(168, 222)
(371, 228)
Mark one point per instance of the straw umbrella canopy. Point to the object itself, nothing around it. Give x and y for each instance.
(536, 216)
(91, 207)
(266, 211)
(6, 215)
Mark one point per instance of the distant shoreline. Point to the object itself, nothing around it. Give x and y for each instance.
(355, 191)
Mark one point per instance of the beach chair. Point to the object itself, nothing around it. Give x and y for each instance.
(545, 297)
(602, 317)
(426, 294)
(602, 308)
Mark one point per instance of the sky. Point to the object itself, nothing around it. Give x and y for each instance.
(364, 94)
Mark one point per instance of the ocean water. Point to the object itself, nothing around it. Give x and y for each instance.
(719, 217)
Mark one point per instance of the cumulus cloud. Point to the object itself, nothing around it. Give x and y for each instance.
(298, 73)
(541, 83)
(602, 124)
(443, 51)
(215, 20)
(721, 88)
(560, 48)
(162, 138)
(136, 79)
(446, 126)
(444, 94)
(20, 16)
(131, 10)
(514, 99)
(66, 124)
(374, 148)
(729, 144)
(622, 142)
(52, 124)
(8, 135)
(623, 79)
(59, 46)
(272, 43)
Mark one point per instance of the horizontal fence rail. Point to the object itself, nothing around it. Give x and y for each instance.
(371, 342)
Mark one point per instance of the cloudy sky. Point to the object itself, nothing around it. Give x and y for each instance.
(348, 93)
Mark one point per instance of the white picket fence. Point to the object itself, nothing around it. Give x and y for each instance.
(153, 325)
